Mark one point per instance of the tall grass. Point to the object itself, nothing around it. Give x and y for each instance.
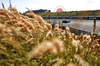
(28, 41)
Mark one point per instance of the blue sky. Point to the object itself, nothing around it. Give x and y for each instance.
(68, 5)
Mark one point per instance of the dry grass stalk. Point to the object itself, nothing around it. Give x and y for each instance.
(86, 39)
(49, 33)
(10, 40)
(47, 46)
(67, 28)
(31, 13)
(71, 64)
(60, 61)
(14, 10)
(82, 62)
(75, 43)
(2, 47)
(6, 14)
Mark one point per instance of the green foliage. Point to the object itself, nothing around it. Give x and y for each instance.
(73, 13)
